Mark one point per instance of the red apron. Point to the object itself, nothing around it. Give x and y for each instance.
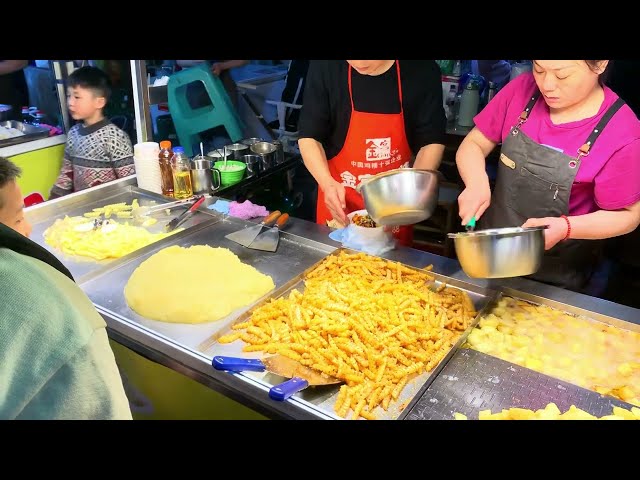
(375, 143)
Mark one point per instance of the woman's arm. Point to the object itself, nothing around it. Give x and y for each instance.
(470, 159)
(315, 159)
(10, 66)
(219, 67)
(429, 157)
(427, 126)
(592, 226)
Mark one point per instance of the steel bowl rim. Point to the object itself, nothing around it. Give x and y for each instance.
(388, 173)
(498, 232)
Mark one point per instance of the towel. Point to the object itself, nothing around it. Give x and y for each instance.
(244, 210)
(221, 206)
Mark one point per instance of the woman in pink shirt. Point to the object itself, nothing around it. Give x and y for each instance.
(570, 159)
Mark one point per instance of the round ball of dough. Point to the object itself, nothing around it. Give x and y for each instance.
(193, 285)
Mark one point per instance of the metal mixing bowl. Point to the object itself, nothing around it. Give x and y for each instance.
(400, 197)
(500, 252)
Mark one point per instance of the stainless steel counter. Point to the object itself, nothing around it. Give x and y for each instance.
(303, 243)
(43, 215)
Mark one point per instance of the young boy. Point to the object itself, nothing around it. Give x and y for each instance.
(97, 151)
(56, 359)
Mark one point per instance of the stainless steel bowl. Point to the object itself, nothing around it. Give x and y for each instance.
(500, 252)
(400, 197)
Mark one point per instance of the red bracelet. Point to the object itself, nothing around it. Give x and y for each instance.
(566, 237)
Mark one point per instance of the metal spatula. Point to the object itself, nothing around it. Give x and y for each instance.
(300, 375)
(268, 241)
(247, 235)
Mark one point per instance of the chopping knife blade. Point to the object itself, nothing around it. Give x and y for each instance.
(248, 234)
(176, 222)
(300, 376)
(268, 241)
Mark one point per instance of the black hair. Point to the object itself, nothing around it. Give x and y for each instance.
(8, 173)
(594, 66)
(91, 78)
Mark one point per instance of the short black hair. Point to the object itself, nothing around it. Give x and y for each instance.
(9, 172)
(92, 78)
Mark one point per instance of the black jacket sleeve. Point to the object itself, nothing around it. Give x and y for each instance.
(425, 120)
(315, 115)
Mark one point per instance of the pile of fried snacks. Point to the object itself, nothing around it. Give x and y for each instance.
(552, 412)
(603, 358)
(373, 323)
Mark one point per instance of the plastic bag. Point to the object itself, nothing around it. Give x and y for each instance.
(374, 241)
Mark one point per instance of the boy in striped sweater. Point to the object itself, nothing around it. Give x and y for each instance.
(96, 151)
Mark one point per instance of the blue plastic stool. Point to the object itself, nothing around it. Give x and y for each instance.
(191, 122)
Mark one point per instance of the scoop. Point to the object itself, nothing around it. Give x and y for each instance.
(300, 375)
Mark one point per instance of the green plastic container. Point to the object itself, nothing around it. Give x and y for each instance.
(234, 172)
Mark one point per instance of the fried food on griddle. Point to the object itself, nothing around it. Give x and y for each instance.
(373, 323)
(603, 358)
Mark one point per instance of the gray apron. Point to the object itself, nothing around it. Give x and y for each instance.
(535, 181)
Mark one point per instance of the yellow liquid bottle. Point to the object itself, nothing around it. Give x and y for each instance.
(181, 174)
(182, 185)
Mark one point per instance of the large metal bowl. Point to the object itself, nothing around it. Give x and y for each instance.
(500, 252)
(400, 197)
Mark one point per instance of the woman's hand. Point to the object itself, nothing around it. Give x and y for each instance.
(474, 200)
(216, 69)
(334, 199)
(556, 232)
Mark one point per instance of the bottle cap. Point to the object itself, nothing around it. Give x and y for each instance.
(165, 144)
(178, 149)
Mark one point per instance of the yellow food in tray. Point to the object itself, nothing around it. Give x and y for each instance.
(98, 235)
(77, 236)
(552, 412)
(593, 355)
(373, 323)
(174, 285)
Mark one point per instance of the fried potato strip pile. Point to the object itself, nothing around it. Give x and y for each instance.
(373, 323)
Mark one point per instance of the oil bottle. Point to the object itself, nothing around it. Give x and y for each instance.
(181, 174)
(166, 172)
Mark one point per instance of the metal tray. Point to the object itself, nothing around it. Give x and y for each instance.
(293, 256)
(323, 397)
(566, 308)
(42, 216)
(31, 132)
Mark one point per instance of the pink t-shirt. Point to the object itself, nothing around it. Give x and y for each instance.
(608, 178)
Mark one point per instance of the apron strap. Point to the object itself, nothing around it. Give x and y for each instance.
(525, 113)
(583, 151)
(527, 109)
(399, 85)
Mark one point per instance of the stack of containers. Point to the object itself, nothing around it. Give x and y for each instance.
(145, 158)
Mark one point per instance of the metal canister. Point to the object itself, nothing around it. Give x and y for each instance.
(279, 151)
(236, 151)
